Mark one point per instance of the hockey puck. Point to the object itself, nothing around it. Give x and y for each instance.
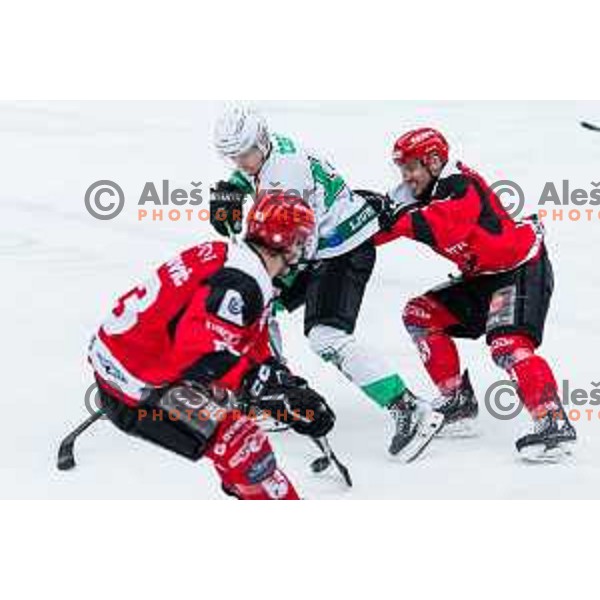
(320, 464)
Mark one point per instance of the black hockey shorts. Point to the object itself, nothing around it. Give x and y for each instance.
(180, 419)
(335, 289)
(512, 302)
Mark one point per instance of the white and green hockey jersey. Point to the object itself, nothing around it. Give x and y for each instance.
(344, 219)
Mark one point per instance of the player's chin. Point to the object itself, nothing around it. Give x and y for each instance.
(417, 189)
(288, 267)
(251, 171)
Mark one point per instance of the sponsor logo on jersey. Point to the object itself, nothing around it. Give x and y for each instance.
(234, 429)
(232, 308)
(252, 445)
(365, 215)
(276, 486)
(262, 468)
(416, 311)
(178, 272)
(110, 369)
(424, 351)
(457, 248)
(229, 340)
(220, 449)
(501, 342)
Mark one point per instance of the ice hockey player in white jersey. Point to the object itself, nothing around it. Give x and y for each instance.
(339, 261)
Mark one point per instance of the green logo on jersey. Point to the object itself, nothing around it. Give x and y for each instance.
(242, 182)
(332, 183)
(284, 144)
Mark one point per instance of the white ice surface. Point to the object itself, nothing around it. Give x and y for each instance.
(61, 269)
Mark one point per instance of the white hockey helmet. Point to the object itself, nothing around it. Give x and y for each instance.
(240, 129)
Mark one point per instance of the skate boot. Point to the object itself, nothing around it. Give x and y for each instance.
(552, 436)
(460, 409)
(416, 423)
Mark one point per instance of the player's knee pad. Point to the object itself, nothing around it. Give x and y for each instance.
(510, 350)
(329, 342)
(241, 452)
(423, 316)
(536, 382)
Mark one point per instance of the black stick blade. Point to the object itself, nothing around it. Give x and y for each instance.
(590, 126)
(66, 459)
(66, 451)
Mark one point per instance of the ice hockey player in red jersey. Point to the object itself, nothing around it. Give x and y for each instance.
(175, 347)
(503, 292)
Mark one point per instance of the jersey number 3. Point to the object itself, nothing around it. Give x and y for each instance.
(126, 313)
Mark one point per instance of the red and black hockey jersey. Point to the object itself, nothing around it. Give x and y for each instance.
(465, 222)
(200, 316)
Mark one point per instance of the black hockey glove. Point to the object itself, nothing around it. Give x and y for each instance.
(268, 376)
(227, 208)
(387, 210)
(272, 387)
(310, 413)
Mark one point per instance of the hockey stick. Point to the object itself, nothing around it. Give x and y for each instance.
(66, 457)
(324, 462)
(590, 126)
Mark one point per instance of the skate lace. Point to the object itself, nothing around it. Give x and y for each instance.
(539, 425)
(551, 418)
(402, 417)
(441, 401)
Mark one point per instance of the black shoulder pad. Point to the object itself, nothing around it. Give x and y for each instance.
(422, 229)
(235, 297)
(454, 186)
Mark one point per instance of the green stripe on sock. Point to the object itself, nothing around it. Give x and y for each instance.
(386, 390)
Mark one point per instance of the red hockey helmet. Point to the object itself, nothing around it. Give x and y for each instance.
(420, 144)
(278, 221)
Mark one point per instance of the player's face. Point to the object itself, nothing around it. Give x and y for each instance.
(250, 162)
(417, 176)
